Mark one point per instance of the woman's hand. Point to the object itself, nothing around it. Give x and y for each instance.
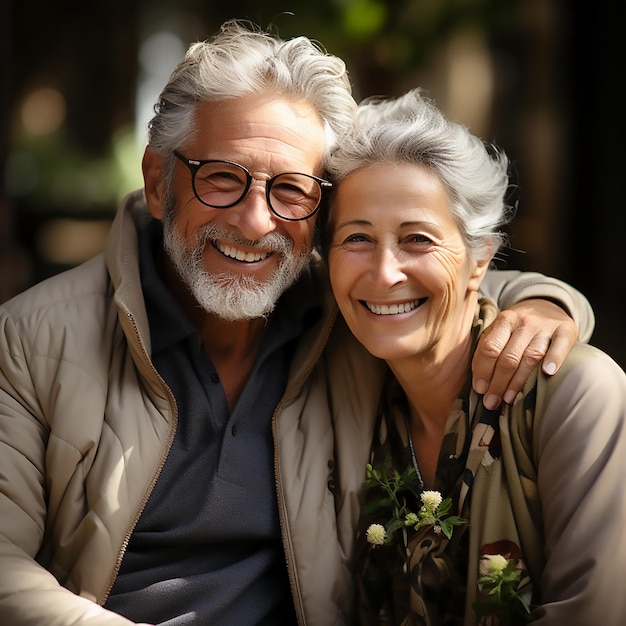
(515, 343)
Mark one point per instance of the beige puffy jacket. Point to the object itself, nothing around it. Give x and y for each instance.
(86, 423)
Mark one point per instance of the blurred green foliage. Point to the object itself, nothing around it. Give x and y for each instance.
(383, 43)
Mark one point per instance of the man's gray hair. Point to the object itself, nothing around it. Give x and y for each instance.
(242, 59)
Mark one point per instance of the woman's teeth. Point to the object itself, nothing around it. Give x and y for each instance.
(392, 309)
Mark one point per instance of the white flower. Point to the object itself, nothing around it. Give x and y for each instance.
(376, 534)
(411, 519)
(431, 499)
(493, 564)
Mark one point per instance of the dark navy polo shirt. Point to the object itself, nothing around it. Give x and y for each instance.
(207, 548)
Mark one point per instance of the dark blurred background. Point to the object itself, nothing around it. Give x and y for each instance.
(543, 79)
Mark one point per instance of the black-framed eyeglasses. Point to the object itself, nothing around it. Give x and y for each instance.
(222, 184)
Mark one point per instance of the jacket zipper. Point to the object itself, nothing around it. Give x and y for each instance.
(282, 512)
(157, 473)
(286, 538)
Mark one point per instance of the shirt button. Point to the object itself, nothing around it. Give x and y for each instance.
(215, 378)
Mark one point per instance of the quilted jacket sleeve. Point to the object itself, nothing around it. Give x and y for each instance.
(511, 286)
(581, 454)
(29, 594)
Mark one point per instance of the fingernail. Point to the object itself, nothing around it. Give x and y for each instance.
(491, 402)
(481, 386)
(509, 396)
(549, 368)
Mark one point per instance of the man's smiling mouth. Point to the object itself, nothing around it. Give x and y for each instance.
(240, 255)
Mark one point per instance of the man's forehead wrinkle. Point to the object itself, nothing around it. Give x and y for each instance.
(266, 133)
(261, 140)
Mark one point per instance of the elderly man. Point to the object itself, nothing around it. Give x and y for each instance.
(168, 447)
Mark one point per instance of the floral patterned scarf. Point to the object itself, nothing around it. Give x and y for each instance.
(423, 583)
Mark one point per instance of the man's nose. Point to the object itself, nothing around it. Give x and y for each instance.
(252, 216)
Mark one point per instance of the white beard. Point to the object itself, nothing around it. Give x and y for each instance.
(229, 295)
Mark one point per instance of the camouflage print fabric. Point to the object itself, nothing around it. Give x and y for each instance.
(423, 583)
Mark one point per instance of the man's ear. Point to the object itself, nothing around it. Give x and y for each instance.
(154, 185)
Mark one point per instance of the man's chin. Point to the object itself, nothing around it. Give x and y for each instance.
(238, 302)
(231, 296)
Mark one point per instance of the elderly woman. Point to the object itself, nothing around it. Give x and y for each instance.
(472, 516)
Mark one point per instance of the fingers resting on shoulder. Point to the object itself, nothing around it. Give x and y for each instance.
(518, 340)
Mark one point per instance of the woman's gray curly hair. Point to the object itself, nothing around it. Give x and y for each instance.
(411, 129)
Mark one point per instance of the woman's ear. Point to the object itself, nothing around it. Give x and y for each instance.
(154, 185)
(479, 270)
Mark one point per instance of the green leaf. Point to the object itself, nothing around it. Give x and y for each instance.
(394, 525)
(375, 506)
(444, 507)
(446, 528)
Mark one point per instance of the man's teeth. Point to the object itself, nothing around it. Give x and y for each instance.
(392, 309)
(240, 255)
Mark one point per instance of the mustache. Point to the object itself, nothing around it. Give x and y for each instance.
(211, 232)
(274, 242)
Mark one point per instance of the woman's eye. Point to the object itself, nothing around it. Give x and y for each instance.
(354, 241)
(355, 238)
(420, 239)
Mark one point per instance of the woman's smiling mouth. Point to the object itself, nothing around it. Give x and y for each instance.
(393, 309)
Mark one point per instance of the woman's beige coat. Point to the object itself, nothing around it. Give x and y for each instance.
(86, 424)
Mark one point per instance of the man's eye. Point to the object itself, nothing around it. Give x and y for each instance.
(225, 177)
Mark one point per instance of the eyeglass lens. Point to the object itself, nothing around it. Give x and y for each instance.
(292, 196)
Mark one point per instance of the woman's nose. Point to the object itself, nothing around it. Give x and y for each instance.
(388, 269)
